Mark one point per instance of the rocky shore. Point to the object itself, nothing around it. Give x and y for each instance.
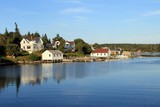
(80, 59)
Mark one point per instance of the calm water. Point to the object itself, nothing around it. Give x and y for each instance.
(125, 83)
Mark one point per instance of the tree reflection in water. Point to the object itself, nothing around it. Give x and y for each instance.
(36, 74)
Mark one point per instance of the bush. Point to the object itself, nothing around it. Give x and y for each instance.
(34, 57)
(12, 49)
(2, 50)
(5, 61)
(23, 53)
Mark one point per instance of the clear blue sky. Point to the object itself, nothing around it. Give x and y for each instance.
(95, 21)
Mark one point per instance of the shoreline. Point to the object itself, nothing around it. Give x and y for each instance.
(63, 61)
(41, 62)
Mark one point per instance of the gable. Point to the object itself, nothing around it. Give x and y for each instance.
(46, 52)
(23, 41)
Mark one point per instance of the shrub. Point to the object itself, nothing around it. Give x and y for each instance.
(5, 61)
(34, 57)
(2, 50)
(23, 53)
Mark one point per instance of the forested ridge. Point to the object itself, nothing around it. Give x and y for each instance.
(135, 47)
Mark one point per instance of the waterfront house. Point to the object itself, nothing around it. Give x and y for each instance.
(32, 44)
(69, 45)
(100, 53)
(52, 55)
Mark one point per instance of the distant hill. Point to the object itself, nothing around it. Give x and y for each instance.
(134, 47)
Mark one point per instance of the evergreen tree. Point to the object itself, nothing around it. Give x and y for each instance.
(16, 28)
(45, 40)
(6, 32)
(36, 34)
(12, 49)
(16, 35)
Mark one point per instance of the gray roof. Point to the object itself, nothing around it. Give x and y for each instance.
(36, 39)
(55, 51)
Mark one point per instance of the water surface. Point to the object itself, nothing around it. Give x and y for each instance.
(124, 83)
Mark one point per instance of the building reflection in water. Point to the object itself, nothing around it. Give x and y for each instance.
(39, 73)
(31, 74)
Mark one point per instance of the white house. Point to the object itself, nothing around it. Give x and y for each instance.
(52, 55)
(100, 53)
(69, 45)
(31, 45)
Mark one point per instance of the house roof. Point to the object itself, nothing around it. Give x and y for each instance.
(100, 50)
(70, 42)
(54, 51)
(32, 38)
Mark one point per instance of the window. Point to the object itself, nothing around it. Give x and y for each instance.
(23, 41)
(28, 47)
(49, 55)
(23, 47)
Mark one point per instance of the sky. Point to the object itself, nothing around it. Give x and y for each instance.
(94, 21)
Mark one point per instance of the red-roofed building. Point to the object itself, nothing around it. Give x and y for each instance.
(69, 45)
(100, 53)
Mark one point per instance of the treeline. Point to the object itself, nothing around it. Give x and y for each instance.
(132, 47)
(10, 42)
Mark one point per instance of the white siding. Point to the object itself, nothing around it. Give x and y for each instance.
(47, 55)
(99, 55)
(32, 44)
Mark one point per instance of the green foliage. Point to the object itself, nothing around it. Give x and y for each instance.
(6, 32)
(36, 34)
(11, 41)
(62, 42)
(41, 51)
(16, 38)
(82, 47)
(2, 50)
(12, 49)
(78, 41)
(134, 47)
(23, 53)
(96, 45)
(158, 48)
(73, 55)
(45, 40)
(4, 61)
(16, 28)
(34, 57)
(3, 40)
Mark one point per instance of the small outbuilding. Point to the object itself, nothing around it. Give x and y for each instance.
(52, 56)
